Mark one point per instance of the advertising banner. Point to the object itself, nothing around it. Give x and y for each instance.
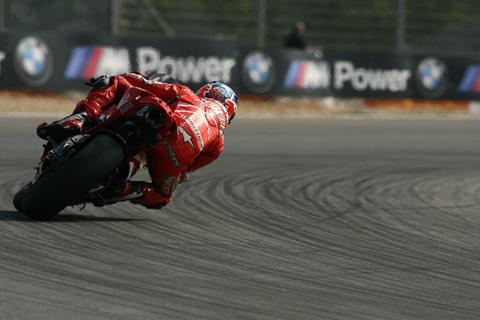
(59, 62)
(359, 74)
(63, 62)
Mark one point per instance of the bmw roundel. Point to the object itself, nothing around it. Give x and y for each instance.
(431, 77)
(258, 72)
(33, 61)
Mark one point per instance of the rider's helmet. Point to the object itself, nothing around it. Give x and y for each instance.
(222, 93)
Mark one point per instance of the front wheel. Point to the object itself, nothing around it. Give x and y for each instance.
(69, 183)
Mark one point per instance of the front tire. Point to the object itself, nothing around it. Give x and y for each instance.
(69, 183)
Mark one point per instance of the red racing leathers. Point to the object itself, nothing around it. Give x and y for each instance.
(194, 135)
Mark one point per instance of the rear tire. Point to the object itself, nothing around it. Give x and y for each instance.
(69, 183)
(17, 200)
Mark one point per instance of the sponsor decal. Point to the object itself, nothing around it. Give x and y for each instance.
(186, 137)
(125, 104)
(185, 69)
(196, 130)
(219, 110)
(362, 79)
(306, 74)
(125, 107)
(471, 79)
(33, 61)
(89, 62)
(187, 111)
(103, 118)
(431, 77)
(190, 110)
(258, 72)
(173, 155)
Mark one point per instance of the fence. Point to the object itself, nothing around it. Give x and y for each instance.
(88, 16)
(442, 26)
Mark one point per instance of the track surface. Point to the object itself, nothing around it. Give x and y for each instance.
(299, 219)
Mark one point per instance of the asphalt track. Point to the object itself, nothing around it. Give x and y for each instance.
(299, 219)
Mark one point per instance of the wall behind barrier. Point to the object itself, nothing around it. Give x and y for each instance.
(50, 61)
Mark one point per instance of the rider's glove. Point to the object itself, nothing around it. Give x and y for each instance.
(99, 82)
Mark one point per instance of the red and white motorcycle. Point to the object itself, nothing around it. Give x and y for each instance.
(90, 166)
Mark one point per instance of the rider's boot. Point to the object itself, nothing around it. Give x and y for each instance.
(128, 191)
(138, 193)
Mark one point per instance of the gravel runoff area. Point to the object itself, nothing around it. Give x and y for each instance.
(25, 103)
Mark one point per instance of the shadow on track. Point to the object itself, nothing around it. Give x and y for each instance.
(10, 215)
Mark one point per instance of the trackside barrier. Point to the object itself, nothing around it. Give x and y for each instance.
(59, 62)
(49, 61)
(376, 75)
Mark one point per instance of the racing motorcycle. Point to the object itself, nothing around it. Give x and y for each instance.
(89, 167)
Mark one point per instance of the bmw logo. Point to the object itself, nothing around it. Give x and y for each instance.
(33, 61)
(258, 72)
(431, 77)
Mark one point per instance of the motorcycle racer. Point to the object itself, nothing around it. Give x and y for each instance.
(191, 138)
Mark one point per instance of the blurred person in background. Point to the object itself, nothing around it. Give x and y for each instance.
(295, 39)
(190, 139)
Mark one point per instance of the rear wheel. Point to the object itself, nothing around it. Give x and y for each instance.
(17, 200)
(69, 183)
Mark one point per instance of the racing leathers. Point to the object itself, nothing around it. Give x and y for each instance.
(191, 138)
